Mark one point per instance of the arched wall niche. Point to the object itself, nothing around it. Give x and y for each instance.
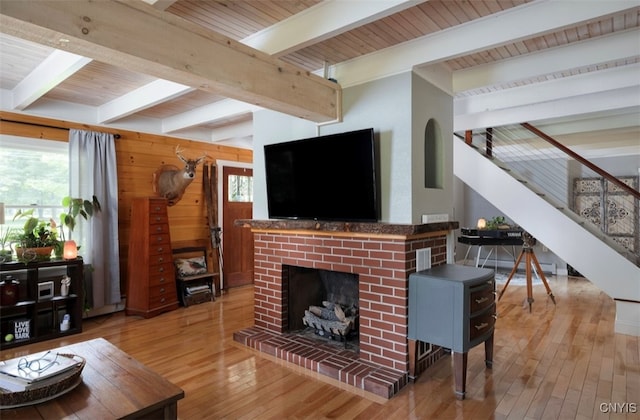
(433, 155)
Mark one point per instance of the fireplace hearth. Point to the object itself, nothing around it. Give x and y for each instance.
(379, 258)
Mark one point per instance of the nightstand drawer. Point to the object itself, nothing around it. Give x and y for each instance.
(158, 279)
(482, 324)
(161, 248)
(158, 259)
(159, 239)
(160, 297)
(159, 228)
(156, 219)
(165, 268)
(481, 298)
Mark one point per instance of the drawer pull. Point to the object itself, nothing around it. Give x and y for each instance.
(161, 259)
(162, 300)
(161, 269)
(161, 280)
(482, 300)
(481, 326)
(162, 290)
(159, 229)
(160, 249)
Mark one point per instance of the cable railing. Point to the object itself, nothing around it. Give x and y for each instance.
(604, 204)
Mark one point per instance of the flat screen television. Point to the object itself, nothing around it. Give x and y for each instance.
(332, 177)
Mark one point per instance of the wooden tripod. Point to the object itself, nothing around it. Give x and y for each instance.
(530, 259)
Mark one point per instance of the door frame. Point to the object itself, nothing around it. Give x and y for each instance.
(220, 165)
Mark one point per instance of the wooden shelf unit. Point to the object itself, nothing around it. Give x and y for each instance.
(45, 314)
(151, 286)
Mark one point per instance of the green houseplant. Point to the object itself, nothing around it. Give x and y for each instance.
(75, 208)
(6, 236)
(38, 237)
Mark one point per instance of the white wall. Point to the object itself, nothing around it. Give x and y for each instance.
(387, 106)
(384, 105)
(272, 127)
(429, 102)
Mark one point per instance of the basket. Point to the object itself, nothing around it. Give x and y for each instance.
(46, 391)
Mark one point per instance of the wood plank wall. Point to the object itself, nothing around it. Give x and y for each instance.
(138, 156)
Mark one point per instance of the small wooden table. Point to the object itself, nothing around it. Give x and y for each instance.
(114, 385)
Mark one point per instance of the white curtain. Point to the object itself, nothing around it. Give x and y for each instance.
(92, 170)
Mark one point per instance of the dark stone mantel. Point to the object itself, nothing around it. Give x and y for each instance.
(372, 228)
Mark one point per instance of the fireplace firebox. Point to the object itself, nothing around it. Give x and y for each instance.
(324, 301)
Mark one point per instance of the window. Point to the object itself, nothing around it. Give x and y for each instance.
(34, 174)
(240, 189)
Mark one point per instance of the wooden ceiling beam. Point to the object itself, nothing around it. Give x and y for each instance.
(135, 36)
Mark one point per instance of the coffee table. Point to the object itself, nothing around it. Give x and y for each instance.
(114, 385)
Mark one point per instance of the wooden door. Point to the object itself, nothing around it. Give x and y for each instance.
(237, 242)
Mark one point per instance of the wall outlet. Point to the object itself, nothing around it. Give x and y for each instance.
(423, 259)
(435, 218)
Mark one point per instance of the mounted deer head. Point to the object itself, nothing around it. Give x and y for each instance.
(170, 181)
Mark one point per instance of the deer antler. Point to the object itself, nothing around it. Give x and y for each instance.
(179, 154)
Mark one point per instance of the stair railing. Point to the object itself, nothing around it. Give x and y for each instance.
(604, 204)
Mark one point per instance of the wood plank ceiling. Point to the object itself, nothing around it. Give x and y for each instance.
(401, 24)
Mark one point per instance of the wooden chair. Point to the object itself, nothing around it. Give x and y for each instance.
(194, 279)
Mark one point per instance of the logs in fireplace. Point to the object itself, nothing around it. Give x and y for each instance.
(331, 320)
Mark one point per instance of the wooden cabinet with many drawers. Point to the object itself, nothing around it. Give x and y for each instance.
(454, 307)
(151, 287)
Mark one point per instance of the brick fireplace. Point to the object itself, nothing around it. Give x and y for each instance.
(382, 255)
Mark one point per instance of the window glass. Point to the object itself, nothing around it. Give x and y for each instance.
(240, 188)
(34, 173)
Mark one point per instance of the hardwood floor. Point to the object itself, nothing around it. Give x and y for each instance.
(559, 361)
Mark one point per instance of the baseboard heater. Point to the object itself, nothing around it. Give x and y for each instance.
(549, 268)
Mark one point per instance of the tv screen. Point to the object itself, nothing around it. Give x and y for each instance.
(330, 178)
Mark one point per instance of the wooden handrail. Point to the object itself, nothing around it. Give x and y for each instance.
(582, 160)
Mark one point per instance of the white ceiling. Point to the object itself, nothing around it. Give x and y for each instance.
(567, 66)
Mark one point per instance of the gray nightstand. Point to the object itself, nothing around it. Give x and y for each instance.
(452, 306)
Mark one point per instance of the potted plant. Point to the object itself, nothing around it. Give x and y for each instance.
(38, 237)
(6, 236)
(76, 207)
(498, 222)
